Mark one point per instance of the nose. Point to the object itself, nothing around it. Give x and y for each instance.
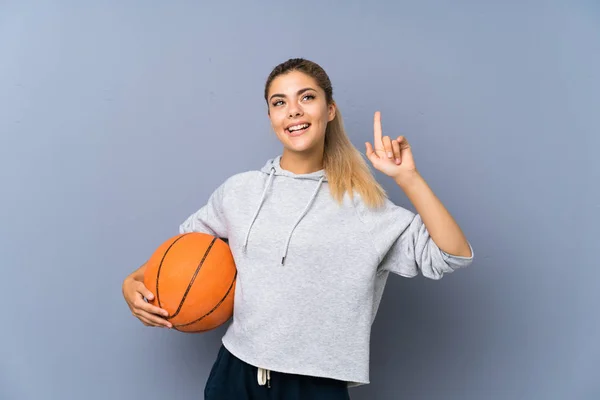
(295, 110)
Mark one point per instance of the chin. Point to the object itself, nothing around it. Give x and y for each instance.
(298, 149)
(301, 146)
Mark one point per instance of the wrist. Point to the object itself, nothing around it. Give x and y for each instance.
(128, 280)
(135, 276)
(408, 179)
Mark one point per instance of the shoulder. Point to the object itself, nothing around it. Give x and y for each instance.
(387, 213)
(244, 178)
(249, 177)
(241, 178)
(239, 182)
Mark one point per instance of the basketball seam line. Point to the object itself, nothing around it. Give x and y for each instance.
(216, 306)
(193, 278)
(160, 266)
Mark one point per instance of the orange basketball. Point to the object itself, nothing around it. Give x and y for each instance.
(192, 276)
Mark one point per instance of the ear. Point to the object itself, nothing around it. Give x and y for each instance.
(331, 111)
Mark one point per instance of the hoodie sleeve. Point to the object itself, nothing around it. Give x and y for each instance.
(210, 218)
(404, 246)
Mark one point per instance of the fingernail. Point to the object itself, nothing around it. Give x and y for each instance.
(390, 154)
(397, 161)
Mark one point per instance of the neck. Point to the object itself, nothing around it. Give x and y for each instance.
(302, 163)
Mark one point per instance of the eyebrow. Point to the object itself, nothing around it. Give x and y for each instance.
(299, 92)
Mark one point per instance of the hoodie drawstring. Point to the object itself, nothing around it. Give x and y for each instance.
(262, 200)
(264, 376)
(312, 199)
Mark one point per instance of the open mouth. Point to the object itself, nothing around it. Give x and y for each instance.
(297, 130)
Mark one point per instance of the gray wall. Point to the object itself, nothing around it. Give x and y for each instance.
(117, 121)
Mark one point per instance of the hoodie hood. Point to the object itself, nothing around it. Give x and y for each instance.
(273, 168)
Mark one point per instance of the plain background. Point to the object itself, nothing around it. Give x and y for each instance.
(118, 118)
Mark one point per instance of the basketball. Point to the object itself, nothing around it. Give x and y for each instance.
(193, 276)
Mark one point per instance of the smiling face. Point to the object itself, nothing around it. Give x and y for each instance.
(299, 112)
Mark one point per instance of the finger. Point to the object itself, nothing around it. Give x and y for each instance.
(150, 296)
(387, 146)
(144, 291)
(153, 324)
(152, 319)
(371, 155)
(403, 142)
(145, 321)
(377, 132)
(396, 149)
(140, 304)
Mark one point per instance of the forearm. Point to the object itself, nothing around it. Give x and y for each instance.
(442, 228)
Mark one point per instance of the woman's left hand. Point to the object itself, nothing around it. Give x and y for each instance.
(393, 157)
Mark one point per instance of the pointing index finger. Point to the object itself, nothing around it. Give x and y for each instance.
(377, 133)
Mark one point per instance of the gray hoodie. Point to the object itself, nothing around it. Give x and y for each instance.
(311, 273)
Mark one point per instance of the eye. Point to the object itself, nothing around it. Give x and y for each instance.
(309, 96)
(277, 103)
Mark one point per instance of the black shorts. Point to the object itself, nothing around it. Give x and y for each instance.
(232, 379)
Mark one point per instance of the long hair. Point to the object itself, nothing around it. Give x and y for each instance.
(346, 169)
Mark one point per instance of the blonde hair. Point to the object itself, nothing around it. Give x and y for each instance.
(346, 169)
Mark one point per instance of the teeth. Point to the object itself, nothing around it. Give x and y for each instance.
(297, 127)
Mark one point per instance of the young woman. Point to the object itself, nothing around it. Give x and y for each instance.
(314, 238)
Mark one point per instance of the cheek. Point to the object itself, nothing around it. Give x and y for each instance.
(275, 120)
(324, 114)
(272, 120)
(322, 121)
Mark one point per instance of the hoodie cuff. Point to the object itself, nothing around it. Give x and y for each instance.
(458, 261)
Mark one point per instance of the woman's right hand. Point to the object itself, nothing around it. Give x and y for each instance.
(135, 294)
